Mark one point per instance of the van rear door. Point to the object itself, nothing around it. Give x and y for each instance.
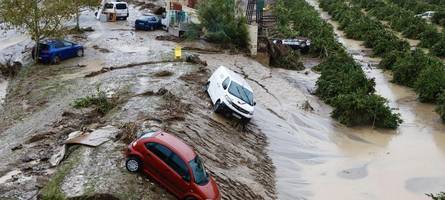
(121, 10)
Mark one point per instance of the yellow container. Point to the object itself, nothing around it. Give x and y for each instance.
(178, 52)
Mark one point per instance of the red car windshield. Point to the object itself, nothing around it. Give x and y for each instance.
(199, 172)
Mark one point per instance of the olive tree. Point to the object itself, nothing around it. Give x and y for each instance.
(38, 18)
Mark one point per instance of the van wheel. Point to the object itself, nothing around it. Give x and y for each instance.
(55, 60)
(125, 18)
(133, 164)
(218, 107)
(80, 53)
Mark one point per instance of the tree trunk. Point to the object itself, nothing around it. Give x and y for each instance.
(78, 20)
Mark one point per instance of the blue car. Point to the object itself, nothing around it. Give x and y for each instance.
(54, 51)
(148, 23)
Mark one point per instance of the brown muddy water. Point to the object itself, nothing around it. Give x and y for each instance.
(315, 157)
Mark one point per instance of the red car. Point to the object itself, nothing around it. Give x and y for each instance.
(173, 164)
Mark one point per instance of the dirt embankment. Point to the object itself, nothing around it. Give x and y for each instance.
(165, 96)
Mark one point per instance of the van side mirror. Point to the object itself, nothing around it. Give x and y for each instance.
(254, 103)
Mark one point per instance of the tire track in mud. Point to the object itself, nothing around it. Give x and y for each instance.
(236, 155)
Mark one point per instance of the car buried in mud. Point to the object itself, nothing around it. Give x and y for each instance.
(173, 164)
(231, 94)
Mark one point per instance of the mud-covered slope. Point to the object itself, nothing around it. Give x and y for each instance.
(150, 92)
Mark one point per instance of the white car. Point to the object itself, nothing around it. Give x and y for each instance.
(230, 94)
(426, 15)
(120, 8)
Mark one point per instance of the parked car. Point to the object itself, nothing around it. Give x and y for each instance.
(173, 164)
(301, 43)
(426, 15)
(231, 94)
(120, 8)
(54, 51)
(148, 22)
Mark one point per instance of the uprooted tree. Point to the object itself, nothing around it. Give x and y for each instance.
(222, 23)
(39, 18)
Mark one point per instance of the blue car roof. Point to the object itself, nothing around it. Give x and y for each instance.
(51, 41)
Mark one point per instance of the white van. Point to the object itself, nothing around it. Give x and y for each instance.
(231, 94)
(120, 8)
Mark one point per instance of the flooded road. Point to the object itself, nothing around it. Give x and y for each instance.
(317, 158)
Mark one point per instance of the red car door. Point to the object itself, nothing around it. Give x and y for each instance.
(155, 160)
(178, 174)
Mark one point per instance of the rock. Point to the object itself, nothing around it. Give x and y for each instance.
(58, 157)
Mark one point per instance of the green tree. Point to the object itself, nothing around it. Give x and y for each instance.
(431, 82)
(222, 23)
(39, 18)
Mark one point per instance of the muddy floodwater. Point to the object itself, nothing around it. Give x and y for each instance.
(308, 154)
(316, 158)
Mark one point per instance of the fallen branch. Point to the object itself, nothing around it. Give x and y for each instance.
(108, 69)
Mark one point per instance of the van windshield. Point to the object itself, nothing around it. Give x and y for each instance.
(121, 6)
(199, 173)
(109, 6)
(241, 92)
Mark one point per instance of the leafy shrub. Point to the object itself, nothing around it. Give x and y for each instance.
(439, 18)
(193, 31)
(290, 61)
(358, 109)
(390, 59)
(431, 82)
(221, 23)
(341, 75)
(408, 67)
(439, 48)
(429, 37)
(99, 100)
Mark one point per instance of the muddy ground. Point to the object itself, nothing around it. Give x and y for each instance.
(292, 149)
(151, 93)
